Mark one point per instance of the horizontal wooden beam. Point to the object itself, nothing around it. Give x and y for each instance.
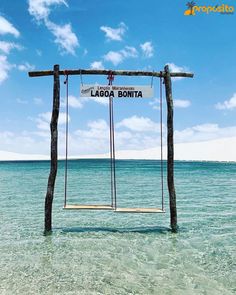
(106, 72)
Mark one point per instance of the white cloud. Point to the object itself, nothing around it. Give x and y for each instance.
(43, 120)
(129, 51)
(227, 104)
(155, 103)
(147, 49)
(98, 130)
(101, 100)
(38, 52)
(181, 103)
(97, 65)
(99, 124)
(72, 102)
(25, 67)
(38, 101)
(5, 67)
(78, 103)
(139, 124)
(178, 103)
(204, 132)
(65, 38)
(6, 47)
(117, 57)
(95, 139)
(21, 101)
(40, 9)
(176, 69)
(114, 34)
(114, 57)
(7, 28)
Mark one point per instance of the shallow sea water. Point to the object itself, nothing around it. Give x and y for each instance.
(109, 253)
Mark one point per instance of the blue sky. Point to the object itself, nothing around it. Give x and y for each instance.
(135, 35)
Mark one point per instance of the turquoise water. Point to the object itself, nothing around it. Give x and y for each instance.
(110, 253)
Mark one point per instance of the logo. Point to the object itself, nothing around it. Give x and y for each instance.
(86, 90)
(193, 9)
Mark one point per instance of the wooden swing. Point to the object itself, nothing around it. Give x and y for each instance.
(56, 73)
(113, 206)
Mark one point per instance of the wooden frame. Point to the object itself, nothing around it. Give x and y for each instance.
(166, 74)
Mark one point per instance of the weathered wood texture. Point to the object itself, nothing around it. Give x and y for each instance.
(139, 210)
(170, 150)
(54, 138)
(109, 207)
(106, 72)
(88, 207)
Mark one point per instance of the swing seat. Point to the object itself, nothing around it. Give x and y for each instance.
(109, 207)
(139, 210)
(88, 207)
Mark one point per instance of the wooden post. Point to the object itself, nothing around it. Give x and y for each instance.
(170, 150)
(54, 138)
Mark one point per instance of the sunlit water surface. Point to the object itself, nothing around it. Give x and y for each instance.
(109, 253)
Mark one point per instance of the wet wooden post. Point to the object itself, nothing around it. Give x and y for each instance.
(54, 152)
(170, 150)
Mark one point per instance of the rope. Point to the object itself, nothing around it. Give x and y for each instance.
(67, 126)
(161, 123)
(81, 78)
(111, 150)
(152, 80)
(112, 146)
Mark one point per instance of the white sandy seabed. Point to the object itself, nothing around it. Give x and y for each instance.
(215, 150)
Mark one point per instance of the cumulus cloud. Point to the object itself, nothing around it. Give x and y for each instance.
(114, 34)
(38, 101)
(204, 132)
(7, 28)
(95, 138)
(43, 120)
(147, 49)
(116, 57)
(227, 104)
(65, 38)
(97, 65)
(155, 103)
(129, 51)
(21, 101)
(6, 47)
(5, 67)
(25, 67)
(176, 69)
(181, 103)
(40, 9)
(79, 102)
(178, 103)
(73, 102)
(100, 100)
(139, 124)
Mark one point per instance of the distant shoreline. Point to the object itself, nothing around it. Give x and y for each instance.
(217, 150)
(79, 159)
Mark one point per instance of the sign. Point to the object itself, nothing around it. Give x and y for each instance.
(120, 91)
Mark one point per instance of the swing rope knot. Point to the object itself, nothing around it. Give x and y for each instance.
(110, 77)
(66, 76)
